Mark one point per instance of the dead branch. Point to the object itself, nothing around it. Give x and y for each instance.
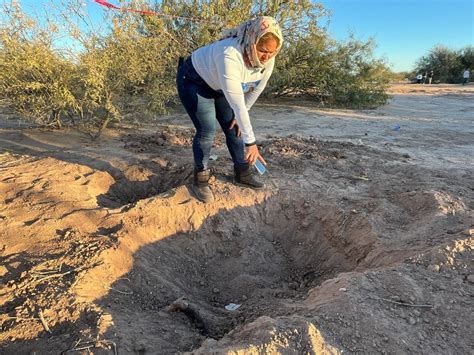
(19, 318)
(405, 304)
(43, 321)
(92, 344)
(122, 292)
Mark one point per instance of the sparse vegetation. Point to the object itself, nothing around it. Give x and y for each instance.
(63, 69)
(447, 64)
(341, 74)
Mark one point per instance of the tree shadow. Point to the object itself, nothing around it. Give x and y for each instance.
(124, 190)
(33, 284)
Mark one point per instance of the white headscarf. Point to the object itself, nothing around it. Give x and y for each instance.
(249, 33)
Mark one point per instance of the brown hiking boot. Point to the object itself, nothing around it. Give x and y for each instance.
(200, 186)
(245, 178)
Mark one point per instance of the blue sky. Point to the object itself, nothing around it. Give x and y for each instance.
(404, 30)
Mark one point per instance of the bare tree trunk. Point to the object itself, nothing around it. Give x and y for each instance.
(56, 121)
(103, 126)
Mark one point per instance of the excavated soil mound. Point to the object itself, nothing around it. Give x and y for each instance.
(350, 248)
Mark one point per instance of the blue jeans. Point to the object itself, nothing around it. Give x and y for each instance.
(206, 107)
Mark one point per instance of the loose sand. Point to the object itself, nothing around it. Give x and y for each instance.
(361, 243)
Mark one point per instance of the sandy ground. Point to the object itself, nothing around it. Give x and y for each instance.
(361, 243)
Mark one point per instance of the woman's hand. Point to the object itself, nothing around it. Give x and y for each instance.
(237, 128)
(252, 154)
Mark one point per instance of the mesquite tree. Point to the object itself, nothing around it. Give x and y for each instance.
(66, 67)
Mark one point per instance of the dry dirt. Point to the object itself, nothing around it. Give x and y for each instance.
(361, 243)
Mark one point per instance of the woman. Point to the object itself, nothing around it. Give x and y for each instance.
(219, 83)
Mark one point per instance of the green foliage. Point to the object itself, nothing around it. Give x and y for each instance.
(34, 80)
(403, 76)
(128, 69)
(466, 57)
(447, 64)
(210, 15)
(125, 72)
(335, 74)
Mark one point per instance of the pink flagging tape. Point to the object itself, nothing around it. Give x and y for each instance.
(145, 12)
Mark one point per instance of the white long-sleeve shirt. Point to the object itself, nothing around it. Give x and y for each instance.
(221, 65)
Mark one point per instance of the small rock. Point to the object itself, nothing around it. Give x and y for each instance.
(416, 312)
(411, 321)
(343, 289)
(202, 283)
(215, 290)
(412, 299)
(244, 298)
(434, 268)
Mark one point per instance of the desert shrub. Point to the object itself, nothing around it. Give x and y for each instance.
(125, 73)
(332, 73)
(127, 69)
(35, 80)
(466, 57)
(447, 64)
(404, 76)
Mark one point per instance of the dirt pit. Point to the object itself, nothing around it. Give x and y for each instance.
(361, 242)
(259, 258)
